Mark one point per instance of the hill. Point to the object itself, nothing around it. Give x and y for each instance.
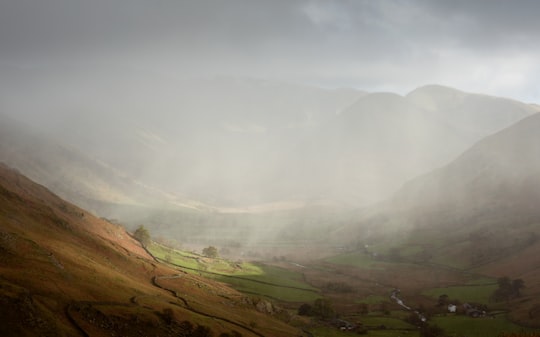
(192, 158)
(379, 142)
(478, 213)
(66, 273)
(476, 114)
(79, 176)
(241, 143)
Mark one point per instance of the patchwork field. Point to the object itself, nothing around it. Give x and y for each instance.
(358, 285)
(252, 278)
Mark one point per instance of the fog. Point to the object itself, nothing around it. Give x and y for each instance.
(251, 107)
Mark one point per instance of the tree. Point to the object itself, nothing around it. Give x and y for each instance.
(142, 235)
(508, 289)
(210, 251)
(414, 319)
(443, 300)
(305, 310)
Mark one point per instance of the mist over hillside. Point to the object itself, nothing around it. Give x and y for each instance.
(477, 213)
(240, 143)
(480, 208)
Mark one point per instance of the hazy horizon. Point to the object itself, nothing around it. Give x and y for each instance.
(237, 103)
(375, 46)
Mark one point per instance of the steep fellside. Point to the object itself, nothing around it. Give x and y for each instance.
(476, 115)
(75, 175)
(478, 213)
(64, 272)
(371, 148)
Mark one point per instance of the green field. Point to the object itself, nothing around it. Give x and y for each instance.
(391, 333)
(389, 322)
(475, 327)
(174, 256)
(375, 326)
(258, 279)
(373, 299)
(289, 286)
(468, 293)
(272, 291)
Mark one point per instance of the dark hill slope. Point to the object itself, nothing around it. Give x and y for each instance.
(476, 115)
(64, 272)
(501, 170)
(71, 173)
(478, 213)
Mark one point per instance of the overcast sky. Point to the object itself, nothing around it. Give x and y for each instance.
(376, 45)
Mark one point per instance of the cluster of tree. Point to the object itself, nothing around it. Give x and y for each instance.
(210, 251)
(321, 308)
(508, 289)
(414, 319)
(426, 329)
(443, 300)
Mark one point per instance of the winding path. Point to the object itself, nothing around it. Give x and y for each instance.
(188, 307)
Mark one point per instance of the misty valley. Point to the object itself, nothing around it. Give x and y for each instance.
(260, 208)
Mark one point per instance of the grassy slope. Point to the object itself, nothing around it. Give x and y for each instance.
(462, 325)
(259, 279)
(64, 271)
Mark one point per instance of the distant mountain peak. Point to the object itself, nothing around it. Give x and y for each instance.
(435, 88)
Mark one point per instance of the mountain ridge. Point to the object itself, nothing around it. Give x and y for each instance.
(200, 154)
(478, 213)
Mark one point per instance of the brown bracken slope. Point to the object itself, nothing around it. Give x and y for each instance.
(64, 272)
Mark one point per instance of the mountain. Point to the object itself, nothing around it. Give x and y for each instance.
(136, 144)
(383, 140)
(379, 142)
(479, 213)
(75, 175)
(66, 273)
(214, 140)
(476, 114)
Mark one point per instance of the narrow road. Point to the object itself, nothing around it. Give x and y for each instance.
(190, 308)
